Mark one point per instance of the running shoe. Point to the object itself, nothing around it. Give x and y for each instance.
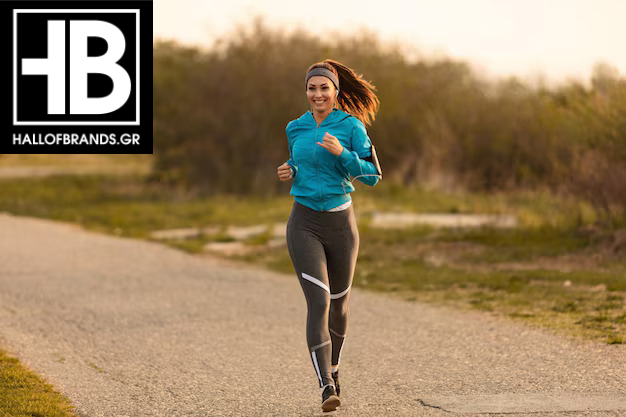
(330, 401)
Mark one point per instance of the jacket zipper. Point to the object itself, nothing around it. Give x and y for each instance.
(317, 174)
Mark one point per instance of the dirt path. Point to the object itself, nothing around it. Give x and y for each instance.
(46, 171)
(131, 328)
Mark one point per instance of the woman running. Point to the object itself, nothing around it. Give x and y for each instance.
(328, 145)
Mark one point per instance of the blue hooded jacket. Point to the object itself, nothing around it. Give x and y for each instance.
(321, 179)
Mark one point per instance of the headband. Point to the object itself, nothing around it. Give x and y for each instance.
(324, 73)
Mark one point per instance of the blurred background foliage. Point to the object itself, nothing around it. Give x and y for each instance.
(219, 118)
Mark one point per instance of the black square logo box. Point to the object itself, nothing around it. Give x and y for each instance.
(79, 79)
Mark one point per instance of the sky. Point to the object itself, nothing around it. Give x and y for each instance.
(551, 40)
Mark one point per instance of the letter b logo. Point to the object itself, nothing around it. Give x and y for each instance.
(76, 67)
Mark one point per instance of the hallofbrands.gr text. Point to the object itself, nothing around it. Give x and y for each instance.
(75, 139)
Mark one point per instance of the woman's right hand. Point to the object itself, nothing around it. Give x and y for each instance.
(284, 172)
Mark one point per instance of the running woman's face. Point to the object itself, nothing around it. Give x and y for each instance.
(321, 93)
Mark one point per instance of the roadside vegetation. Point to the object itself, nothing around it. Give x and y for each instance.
(24, 394)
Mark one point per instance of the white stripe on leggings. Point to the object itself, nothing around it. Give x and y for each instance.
(316, 281)
(328, 342)
(341, 294)
(340, 349)
(317, 369)
(335, 333)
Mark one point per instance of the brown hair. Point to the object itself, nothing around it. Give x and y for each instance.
(356, 95)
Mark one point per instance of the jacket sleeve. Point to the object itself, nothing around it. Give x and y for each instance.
(290, 161)
(355, 161)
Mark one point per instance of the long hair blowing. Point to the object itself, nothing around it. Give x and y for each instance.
(356, 95)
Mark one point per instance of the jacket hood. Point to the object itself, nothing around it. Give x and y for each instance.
(334, 117)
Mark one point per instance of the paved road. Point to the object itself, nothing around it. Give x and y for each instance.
(131, 328)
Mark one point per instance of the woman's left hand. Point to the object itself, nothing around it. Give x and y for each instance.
(332, 144)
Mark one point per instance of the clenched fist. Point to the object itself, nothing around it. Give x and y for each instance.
(284, 172)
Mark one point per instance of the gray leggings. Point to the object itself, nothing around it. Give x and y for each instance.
(323, 247)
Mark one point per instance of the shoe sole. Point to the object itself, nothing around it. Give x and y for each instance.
(331, 403)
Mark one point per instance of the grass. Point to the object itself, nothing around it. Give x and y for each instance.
(548, 272)
(127, 206)
(24, 394)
